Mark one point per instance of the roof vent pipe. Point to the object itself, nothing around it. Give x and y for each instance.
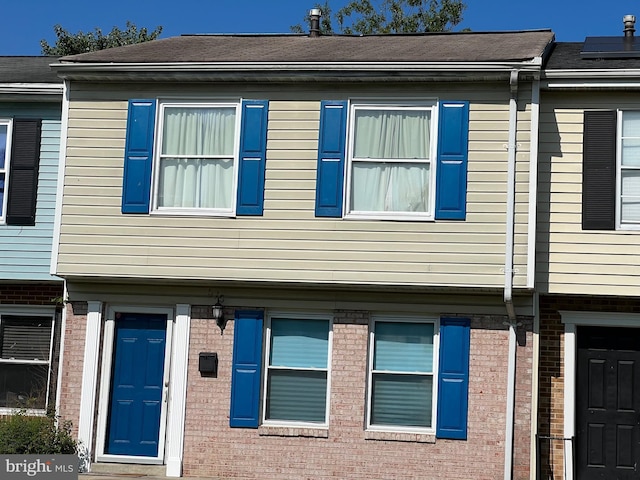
(629, 25)
(314, 18)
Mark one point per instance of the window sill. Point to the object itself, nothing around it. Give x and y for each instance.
(30, 412)
(393, 217)
(400, 436)
(192, 213)
(267, 431)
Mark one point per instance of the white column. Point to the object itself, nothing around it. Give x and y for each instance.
(178, 391)
(569, 396)
(89, 381)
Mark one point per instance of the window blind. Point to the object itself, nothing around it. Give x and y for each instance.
(25, 338)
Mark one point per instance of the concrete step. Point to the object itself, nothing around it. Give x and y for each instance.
(128, 469)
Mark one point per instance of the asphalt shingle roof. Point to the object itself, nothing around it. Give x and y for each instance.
(431, 47)
(566, 56)
(28, 70)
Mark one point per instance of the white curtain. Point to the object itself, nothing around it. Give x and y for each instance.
(196, 164)
(630, 174)
(397, 186)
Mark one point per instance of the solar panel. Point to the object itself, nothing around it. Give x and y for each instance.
(611, 47)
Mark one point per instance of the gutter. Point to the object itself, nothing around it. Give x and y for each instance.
(31, 88)
(532, 65)
(585, 85)
(294, 71)
(593, 78)
(508, 275)
(593, 73)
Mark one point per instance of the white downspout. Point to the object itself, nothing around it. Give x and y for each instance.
(508, 275)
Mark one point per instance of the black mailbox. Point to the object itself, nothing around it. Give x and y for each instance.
(208, 364)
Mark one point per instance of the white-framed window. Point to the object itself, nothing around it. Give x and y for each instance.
(391, 160)
(402, 374)
(628, 165)
(297, 380)
(5, 149)
(26, 342)
(196, 160)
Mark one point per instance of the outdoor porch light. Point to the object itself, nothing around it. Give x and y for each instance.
(217, 312)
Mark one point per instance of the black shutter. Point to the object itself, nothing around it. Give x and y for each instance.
(599, 171)
(23, 172)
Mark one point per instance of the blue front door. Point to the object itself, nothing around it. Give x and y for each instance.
(136, 385)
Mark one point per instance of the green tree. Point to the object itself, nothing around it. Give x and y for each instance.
(366, 17)
(81, 42)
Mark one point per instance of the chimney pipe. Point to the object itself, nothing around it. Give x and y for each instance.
(629, 25)
(314, 17)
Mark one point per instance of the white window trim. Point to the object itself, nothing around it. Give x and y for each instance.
(409, 104)
(26, 311)
(7, 161)
(267, 351)
(620, 225)
(436, 356)
(158, 134)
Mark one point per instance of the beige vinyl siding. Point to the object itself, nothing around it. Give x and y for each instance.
(569, 259)
(288, 243)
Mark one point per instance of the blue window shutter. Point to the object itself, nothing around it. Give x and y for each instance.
(246, 369)
(453, 378)
(451, 181)
(331, 152)
(253, 154)
(138, 156)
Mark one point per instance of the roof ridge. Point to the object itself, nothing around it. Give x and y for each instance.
(342, 35)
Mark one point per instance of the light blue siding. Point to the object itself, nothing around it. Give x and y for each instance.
(25, 251)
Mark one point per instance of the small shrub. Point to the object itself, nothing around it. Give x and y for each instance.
(25, 434)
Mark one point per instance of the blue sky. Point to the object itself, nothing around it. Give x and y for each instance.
(26, 22)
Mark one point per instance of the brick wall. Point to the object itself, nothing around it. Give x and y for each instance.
(72, 362)
(214, 449)
(41, 294)
(346, 450)
(523, 399)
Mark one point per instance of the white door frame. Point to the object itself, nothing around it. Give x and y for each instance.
(571, 321)
(105, 384)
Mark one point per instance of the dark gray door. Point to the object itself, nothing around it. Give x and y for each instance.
(608, 403)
